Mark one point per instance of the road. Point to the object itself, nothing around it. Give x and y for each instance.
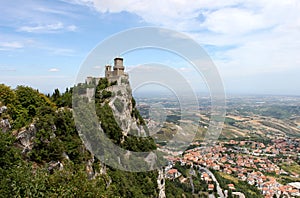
(192, 184)
(219, 189)
(192, 173)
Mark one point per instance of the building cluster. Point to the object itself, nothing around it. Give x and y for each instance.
(254, 162)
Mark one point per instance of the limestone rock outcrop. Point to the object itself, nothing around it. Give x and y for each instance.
(26, 138)
(4, 125)
(122, 106)
(4, 122)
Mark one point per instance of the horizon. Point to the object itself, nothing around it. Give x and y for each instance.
(155, 93)
(253, 44)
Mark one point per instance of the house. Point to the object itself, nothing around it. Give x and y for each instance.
(251, 181)
(211, 187)
(173, 173)
(215, 166)
(205, 177)
(183, 179)
(242, 177)
(231, 186)
(227, 171)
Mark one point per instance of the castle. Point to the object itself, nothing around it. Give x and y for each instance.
(111, 75)
(118, 69)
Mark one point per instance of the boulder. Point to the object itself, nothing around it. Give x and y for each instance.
(4, 125)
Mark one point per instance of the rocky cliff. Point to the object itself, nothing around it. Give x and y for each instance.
(4, 121)
(128, 118)
(126, 144)
(123, 105)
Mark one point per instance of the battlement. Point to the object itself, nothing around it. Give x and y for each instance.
(112, 74)
(118, 69)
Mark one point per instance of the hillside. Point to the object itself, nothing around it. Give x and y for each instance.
(258, 117)
(42, 154)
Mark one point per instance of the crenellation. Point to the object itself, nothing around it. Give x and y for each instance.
(118, 69)
(112, 74)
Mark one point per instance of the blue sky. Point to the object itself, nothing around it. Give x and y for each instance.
(255, 44)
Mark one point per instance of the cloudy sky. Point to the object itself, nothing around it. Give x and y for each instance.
(255, 44)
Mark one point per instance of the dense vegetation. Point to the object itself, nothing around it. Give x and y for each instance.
(240, 186)
(29, 172)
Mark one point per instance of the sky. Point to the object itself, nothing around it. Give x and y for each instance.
(254, 44)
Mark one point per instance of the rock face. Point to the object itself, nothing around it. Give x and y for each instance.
(26, 137)
(4, 122)
(120, 120)
(5, 125)
(122, 106)
(92, 172)
(55, 166)
(3, 109)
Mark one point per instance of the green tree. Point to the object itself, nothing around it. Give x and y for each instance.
(9, 155)
(7, 96)
(28, 96)
(56, 95)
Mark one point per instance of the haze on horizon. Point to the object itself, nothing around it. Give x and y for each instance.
(254, 44)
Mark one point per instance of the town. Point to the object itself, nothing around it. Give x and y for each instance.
(258, 161)
(250, 161)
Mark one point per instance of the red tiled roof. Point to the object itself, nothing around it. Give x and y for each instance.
(172, 171)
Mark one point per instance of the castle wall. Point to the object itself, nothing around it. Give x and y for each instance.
(113, 78)
(89, 80)
(111, 75)
(118, 72)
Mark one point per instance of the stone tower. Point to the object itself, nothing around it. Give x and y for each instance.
(118, 70)
(108, 72)
(118, 67)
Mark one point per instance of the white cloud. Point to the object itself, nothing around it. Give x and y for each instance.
(53, 70)
(58, 51)
(11, 45)
(72, 28)
(265, 35)
(62, 51)
(98, 67)
(44, 9)
(251, 36)
(234, 21)
(48, 28)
